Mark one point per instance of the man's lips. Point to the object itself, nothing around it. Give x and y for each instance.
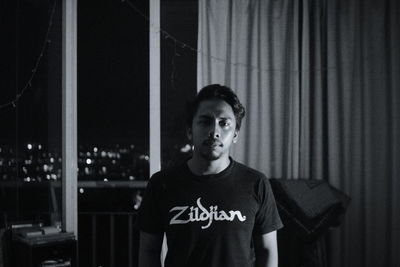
(212, 143)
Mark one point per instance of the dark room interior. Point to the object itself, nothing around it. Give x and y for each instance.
(94, 98)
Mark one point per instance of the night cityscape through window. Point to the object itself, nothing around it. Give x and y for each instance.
(113, 115)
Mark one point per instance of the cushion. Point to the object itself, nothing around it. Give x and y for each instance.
(308, 207)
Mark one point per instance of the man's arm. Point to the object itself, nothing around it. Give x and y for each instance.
(266, 250)
(150, 249)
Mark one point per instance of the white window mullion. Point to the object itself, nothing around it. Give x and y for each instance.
(155, 85)
(69, 117)
(155, 92)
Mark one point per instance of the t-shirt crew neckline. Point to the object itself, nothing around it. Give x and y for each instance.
(211, 177)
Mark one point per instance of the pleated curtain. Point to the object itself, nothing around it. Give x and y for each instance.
(321, 84)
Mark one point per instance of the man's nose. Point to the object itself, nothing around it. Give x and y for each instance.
(215, 131)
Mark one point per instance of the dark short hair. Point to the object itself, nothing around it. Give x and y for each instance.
(216, 91)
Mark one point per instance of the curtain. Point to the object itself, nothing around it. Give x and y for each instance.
(321, 84)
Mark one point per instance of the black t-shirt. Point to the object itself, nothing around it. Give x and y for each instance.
(209, 220)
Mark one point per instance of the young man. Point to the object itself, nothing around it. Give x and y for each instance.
(212, 209)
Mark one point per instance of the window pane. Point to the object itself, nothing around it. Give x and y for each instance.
(178, 76)
(113, 93)
(113, 128)
(30, 136)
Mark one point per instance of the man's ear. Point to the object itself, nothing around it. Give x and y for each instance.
(235, 136)
(189, 133)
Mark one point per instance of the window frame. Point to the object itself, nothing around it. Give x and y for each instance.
(69, 107)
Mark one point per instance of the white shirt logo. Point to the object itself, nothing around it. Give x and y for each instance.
(200, 213)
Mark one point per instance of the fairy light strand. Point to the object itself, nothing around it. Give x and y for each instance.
(184, 45)
(173, 66)
(28, 84)
(166, 35)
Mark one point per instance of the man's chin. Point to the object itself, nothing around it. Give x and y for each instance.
(211, 156)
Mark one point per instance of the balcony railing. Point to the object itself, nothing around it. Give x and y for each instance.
(108, 239)
(106, 235)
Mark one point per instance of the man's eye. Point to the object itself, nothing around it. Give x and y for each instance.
(224, 124)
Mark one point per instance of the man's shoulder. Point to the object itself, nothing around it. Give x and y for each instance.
(169, 172)
(248, 171)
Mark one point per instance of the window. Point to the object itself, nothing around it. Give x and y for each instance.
(30, 113)
(113, 128)
(178, 76)
(113, 114)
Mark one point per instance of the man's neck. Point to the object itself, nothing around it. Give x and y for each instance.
(201, 166)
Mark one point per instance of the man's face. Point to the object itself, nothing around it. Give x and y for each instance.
(213, 129)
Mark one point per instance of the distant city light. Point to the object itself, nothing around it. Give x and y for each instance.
(119, 162)
(145, 157)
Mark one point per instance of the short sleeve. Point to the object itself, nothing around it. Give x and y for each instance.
(267, 218)
(150, 217)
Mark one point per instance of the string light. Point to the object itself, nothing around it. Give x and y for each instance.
(173, 66)
(28, 84)
(166, 36)
(184, 45)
